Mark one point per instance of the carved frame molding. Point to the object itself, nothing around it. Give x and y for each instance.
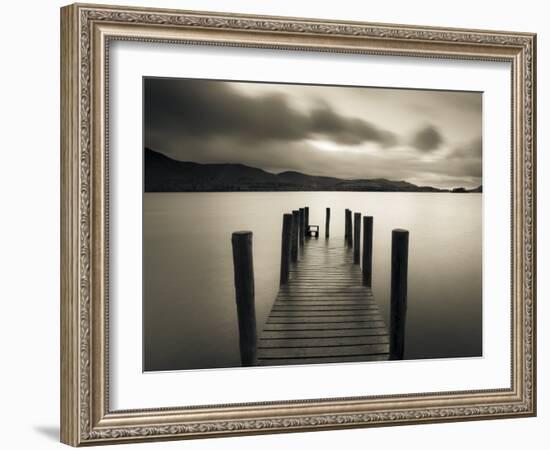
(86, 32)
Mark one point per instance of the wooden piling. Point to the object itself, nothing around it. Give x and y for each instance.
(306, 215)
(244, 294)
(349, 234)
(302, 226)
(327, 223)
(294, 236)
(356, 238)
(398, 313)
(346, 231)
(286, 238)
(367, 251)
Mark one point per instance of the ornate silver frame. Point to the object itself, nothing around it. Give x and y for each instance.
(86, 31)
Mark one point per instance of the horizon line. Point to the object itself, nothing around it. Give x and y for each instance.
(449, 188)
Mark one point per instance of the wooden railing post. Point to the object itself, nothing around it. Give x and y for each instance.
(286, 238)
(244, 293)
(357, 238)
(398, 313)
(349, 239)
(367, 251)
(302, 226)
(294, 237)
(306, 216)
(327, 223)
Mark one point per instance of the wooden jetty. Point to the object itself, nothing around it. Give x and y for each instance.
(325, 311)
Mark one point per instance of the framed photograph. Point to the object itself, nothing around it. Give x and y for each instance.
(274, 224)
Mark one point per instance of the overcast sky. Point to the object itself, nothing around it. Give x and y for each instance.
(424, 137)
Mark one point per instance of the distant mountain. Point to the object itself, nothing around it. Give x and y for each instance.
(463, 190)
(163, 174)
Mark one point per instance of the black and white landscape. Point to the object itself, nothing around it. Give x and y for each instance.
(223, 156)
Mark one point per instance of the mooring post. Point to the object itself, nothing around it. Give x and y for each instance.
(327, 223)
(285, 247)
(244, 294)
(398, 313)
(306, 224)
(346, 225)
(367, 251)
(294, 236)
(356, 238)
(302, 226)
(349, 235)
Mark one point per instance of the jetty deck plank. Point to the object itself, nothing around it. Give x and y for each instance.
(324, 314)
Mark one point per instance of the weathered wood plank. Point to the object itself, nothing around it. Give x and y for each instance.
(328, 278)
(324, 326)
(322, 285)
(322, 288)
(361, 314)
(327, 292)
(340, 300)
(291, 334)
(325, 360)
(321, 352)
(278, 307)
(334, 298)
(326, 265)
(322, 276)
(325, 320)
(324, 303)
(324, 294)
(311, 314)
(328, 281)
(322, 269)
(322, 342)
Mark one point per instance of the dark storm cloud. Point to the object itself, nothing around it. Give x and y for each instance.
(202, 109)
(348, 131)
(205, 109)
(427, 139)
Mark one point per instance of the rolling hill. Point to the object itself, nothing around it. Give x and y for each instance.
(163, 174)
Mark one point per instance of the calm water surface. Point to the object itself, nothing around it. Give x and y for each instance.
(190, 316)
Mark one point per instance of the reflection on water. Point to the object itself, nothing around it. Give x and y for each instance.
(189, 308)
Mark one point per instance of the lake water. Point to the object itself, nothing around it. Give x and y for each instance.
(190, 319)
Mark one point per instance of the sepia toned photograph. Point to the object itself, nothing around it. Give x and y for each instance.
(292, 224)
(275, 224)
